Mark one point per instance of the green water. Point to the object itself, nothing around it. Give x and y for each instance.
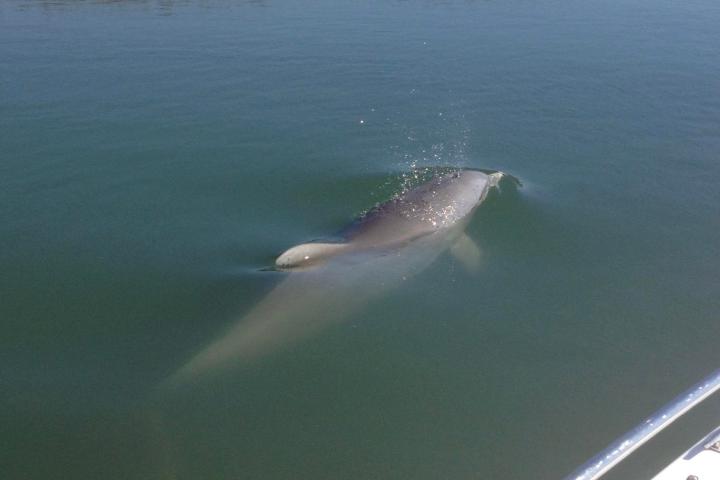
(156, 156)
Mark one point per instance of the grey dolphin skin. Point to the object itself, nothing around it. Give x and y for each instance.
(328, 281)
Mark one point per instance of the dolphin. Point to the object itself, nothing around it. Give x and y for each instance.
(326, 281)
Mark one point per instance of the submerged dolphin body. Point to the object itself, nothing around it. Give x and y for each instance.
(327, 281)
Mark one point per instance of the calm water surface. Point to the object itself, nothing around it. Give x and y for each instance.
(156, 156)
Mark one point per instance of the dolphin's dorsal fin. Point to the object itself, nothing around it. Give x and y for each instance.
(467, 252)
(308, 254)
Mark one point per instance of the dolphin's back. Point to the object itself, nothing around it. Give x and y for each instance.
(432, 206)
(443, 202)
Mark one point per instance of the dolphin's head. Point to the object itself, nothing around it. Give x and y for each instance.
(448, 198)
(308, 255)
(469, 182)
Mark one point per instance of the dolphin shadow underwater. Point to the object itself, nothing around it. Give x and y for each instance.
(326, 282)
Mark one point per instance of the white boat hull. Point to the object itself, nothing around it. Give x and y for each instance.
(701, 462)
